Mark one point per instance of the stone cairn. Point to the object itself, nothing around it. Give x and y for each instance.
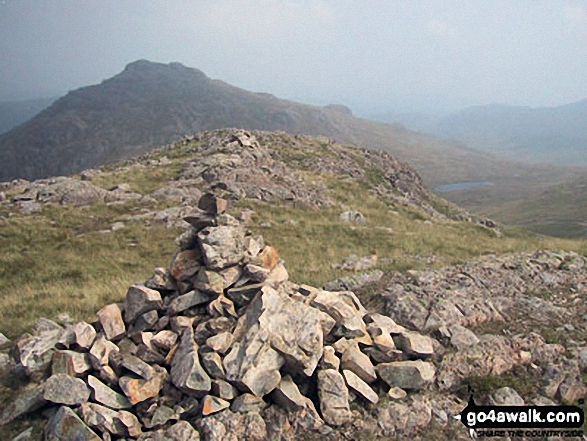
(221, 330)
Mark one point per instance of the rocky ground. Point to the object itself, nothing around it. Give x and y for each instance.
(222, 345)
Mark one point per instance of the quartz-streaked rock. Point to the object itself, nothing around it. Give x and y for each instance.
(105, 395)
(140, 299)
(354, 360)
(66, 425)
(414, 343)
(334, 397)
(65, 389)
(358, 385)
(186, 372)
(222, 246)
(407, 374)
(70, 363)
(139, 389)
(110, 318)
(211, 404)
(189, 300)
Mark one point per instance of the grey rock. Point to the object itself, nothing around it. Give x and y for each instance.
(110, 318)
(26, 435)
(505, 396)
(35, 352)
(348, 317)
(65, 425)
(224, 390)
(145, 322)
(406, 374)
(65, 389)
(352, 216)
(105, 395)
(186, 372)
(213, 365)
(164, 340)
(140, 299)
(137, 366)
(189, 300)
(215, 282)
(103, 419)
(4, 341)
(222, 246)
(27, 401)
(460, 337)
(358, 385)
(161, 416)
(334, 397)
(246, 403)
(355, 281)
(162, 280)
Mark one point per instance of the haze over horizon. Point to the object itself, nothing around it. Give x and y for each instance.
(388, 56)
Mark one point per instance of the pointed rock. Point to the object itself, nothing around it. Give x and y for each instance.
(358, 385)
(212, 405)
(189, 300)
(104, 395)
(34, 353)
(288, 396)
(100, 352)
(186, 372)
(164, 340)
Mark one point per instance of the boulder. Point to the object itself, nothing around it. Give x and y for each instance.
(222, 246)
(65, 389)
(414, 344)
(412, 375)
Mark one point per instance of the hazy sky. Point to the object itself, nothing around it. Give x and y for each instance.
(373, 55)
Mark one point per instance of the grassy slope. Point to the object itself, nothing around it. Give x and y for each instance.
(59, 260)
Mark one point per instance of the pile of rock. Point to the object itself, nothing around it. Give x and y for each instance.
(218, 336)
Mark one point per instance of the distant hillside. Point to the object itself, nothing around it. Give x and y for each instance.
(555, 135)
(13, 113)
(149, 104)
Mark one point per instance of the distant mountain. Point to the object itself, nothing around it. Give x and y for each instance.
(555, 135)
(150, 104)
(13, 113)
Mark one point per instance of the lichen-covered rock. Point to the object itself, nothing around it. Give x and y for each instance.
(65, 389)
(334, 397)
(407, 374)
